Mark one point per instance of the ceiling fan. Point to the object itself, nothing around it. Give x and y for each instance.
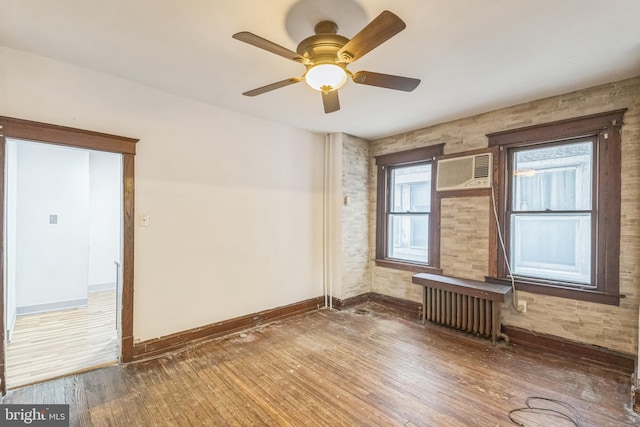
(327, 54)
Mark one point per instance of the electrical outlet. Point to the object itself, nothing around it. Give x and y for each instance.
(522, 306)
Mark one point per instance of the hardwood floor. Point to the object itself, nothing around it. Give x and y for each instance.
(366, 366)
(49, 345)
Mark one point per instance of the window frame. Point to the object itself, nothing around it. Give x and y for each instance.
(511, 212)
(385, 163)
(605, 130)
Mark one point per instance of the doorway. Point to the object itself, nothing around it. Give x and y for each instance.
(16, 129)
(63, 215)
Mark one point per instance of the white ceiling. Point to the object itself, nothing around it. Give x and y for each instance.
(472, 56)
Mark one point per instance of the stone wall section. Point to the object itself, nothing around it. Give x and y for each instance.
(356, 156)
(464, 233)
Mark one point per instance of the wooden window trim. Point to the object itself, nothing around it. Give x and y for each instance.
(405, 158)
(606, 129)
(34, 131)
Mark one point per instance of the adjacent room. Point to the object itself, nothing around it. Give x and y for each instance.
(63, 215)
(311, 212)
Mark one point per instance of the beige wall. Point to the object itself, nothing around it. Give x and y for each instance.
(235, 203)
(465, 221)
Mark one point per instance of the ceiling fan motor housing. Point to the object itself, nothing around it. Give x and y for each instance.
(323, 47)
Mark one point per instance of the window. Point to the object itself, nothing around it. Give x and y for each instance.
(408, 213)
(560, 216)
(406, 220)
(550, 213)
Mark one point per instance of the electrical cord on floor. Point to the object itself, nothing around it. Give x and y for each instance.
(564, 410)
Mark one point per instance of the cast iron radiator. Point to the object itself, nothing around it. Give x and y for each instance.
(459, 311)
(464, 304)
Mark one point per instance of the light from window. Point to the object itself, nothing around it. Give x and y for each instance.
(408, 213)
(551, 212)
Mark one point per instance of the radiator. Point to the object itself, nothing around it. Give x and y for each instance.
(464, 312)
(468, 305)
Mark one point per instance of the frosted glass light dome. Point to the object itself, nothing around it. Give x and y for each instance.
(326, 77)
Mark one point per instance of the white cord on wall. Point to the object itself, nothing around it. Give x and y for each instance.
(504, 252)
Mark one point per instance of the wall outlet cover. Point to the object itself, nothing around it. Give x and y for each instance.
(522, 306)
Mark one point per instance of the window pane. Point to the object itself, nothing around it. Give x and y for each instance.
(552, 246)
(419, 197)
(408, 237)
(553, 178)
(410, 188)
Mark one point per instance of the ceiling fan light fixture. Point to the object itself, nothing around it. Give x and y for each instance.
(326, 55)
(326, 77)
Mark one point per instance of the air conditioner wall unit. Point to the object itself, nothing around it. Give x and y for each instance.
(464, 173)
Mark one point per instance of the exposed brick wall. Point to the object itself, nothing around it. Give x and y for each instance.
(356, 156)
(464, 233)
(464, 245)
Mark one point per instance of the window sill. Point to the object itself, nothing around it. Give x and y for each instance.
(560, 291)
(406, 266)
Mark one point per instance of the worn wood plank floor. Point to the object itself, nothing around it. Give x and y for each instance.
(331, 368)
(56, 343)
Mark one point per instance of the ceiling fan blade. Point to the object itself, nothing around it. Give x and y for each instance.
(272, 86)
(331, 101)
(378, 31)
(388, 81)
(269, 46)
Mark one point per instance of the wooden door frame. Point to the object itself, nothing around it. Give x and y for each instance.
(78, 138)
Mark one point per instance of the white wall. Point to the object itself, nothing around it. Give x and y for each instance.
(51, 259)
(235, 203)
(105, 184)
(11, 182)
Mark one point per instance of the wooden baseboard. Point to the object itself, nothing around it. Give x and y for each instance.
(555, 344)
(350, 302)
(409, 308)
(636, 401)
(157, 346)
